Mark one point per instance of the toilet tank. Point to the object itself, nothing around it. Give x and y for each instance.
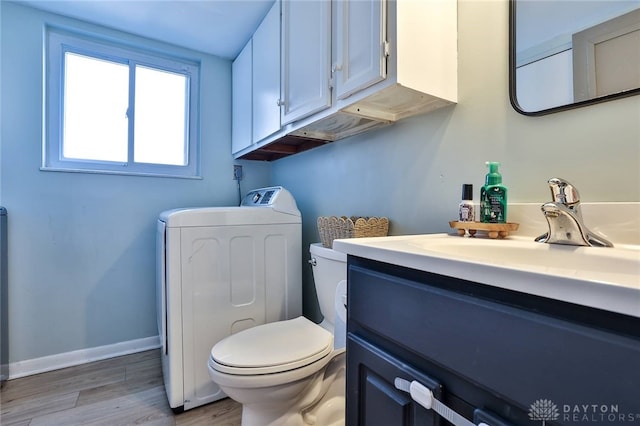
(329, 268)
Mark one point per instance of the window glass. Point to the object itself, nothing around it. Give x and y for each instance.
(96, 98)
(160, 110)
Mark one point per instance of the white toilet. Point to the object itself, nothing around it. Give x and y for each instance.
(291, 372)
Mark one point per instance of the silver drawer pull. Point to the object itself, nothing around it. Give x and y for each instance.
(423, 396)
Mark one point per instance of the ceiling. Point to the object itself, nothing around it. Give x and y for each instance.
(217, 27)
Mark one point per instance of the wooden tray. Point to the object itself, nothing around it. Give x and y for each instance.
(493, 230)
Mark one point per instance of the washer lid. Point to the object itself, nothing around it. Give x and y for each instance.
(273, 347)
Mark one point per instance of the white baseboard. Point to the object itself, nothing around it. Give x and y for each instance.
(82, 356)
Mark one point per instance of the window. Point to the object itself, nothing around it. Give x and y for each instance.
(116, 109)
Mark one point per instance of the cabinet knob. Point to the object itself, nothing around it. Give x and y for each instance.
(280, 102)
(336, 67)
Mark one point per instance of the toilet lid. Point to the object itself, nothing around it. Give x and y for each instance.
(273, 347)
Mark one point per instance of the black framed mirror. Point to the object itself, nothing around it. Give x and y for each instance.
(566, 54)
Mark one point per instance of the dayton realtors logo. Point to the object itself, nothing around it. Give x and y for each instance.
(546, 410)
(543, 409)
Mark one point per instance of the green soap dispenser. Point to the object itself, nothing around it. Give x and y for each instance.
(493, 196)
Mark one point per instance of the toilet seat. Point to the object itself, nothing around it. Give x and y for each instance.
(272, 348)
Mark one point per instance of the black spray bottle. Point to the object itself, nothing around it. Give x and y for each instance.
(466, 211)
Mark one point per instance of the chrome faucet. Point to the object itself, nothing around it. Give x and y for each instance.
(565, 218)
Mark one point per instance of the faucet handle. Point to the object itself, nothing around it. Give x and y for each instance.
(563, 192)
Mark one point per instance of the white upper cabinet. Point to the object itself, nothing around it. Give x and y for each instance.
(306, 58)
(422, 62)
(241, 100)
(266, 75)
(255, 85)
(360, 46)
(349, 66)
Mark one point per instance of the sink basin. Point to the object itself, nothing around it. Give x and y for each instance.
(602, 277)
(613, 265)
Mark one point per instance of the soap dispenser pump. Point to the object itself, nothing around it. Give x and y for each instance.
(493, 196)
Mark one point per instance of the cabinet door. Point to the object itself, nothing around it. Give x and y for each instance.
(361, 59)
(241, 121)
(306, 57)
(266, 75)
(372, 397)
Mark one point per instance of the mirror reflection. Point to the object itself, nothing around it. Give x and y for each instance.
(569, 53)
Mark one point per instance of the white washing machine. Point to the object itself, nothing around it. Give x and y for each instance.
(221, 270)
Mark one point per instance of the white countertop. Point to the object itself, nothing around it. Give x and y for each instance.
(597, 277)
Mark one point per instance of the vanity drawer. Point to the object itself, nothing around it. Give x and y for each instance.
(520, 355)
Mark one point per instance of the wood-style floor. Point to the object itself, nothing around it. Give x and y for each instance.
(127, 390)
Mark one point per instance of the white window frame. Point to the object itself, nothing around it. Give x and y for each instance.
(57, 43)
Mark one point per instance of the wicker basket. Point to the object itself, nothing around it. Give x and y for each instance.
(332, 228)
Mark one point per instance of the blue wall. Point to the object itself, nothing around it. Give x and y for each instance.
(413, 171)
(81, 246)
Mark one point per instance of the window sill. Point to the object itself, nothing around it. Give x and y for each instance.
(113, 172)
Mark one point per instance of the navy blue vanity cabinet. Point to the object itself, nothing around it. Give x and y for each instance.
(485, 352)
